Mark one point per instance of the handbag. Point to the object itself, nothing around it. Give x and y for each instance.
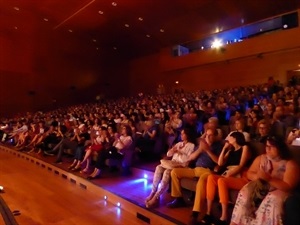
(258, 189)
(230, 168)
(170, 164)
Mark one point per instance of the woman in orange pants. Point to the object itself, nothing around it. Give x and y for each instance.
(235, 155)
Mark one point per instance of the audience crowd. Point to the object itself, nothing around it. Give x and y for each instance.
(151, 127)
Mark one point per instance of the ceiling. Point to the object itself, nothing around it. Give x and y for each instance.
(128, 28)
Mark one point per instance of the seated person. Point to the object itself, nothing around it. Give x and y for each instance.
(120, 149)
(293, 138)
(206, 159)
(80, 137)
(240, 127)
(180, 153)
(263, 131)
(146, 142)
(234, 153)
(213, 123)
(99, 142)
(50, 138)
(278, 175)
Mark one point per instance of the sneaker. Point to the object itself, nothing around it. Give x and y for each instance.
(176, 203)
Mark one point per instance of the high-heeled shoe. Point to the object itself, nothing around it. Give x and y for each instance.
(152, 203)
(94, 175)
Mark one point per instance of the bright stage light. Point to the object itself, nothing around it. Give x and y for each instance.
(145, 176)
(119, 204)
(217, 43)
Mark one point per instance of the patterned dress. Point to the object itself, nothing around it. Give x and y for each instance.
(270, 210)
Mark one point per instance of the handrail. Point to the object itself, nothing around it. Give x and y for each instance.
(7, 215)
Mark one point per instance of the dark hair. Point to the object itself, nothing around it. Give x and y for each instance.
(190, 134)
(240, 138)
(103, 128)
(54, 123)
(128, 130)
(112, 127)
(281, 146)
(63, 129)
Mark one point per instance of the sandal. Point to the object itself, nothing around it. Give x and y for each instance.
(152, 203)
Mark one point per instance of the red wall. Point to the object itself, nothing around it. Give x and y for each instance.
(42, 69)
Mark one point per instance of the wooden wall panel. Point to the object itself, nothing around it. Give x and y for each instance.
(248, 62)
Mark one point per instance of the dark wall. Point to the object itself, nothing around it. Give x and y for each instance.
(44, 69)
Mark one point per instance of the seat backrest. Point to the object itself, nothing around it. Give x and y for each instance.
(257, 148)
(295, 153)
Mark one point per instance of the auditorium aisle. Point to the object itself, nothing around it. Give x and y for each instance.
(43, 198)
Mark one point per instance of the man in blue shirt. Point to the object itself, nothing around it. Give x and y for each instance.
(207, 158)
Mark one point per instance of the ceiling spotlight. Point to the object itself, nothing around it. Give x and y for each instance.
(148, 35)
(97, 48)
(115, 48)
(16, 8)
(100, 12)
(141, 19)
(217, 43)
(126, 25)
(260, 30)
(70, 30)
(94, 40)
(162, 30)
(202, 47)
(114, 4)
(1, 189)
(285, 26)
(45, 19)
(16, 28)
